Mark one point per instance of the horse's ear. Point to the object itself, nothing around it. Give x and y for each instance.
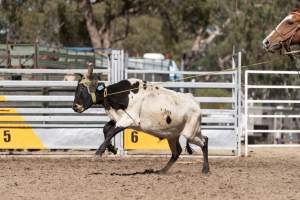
(297, 8)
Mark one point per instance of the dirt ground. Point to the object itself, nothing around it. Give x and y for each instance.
(266, 174)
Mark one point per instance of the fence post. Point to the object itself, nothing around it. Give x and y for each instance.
(237, 78)
(235, 94)
(116, 73)
(246, 113)
(239, 101)
(116, 66)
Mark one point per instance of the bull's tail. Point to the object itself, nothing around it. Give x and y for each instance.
(188, 148)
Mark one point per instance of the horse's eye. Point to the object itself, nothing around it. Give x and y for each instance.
(290, 22)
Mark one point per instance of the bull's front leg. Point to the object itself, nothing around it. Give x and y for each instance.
(125, 121)
(111, 133)
(108, 126)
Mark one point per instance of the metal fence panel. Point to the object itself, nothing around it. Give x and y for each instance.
(279, 111)
(51, 123)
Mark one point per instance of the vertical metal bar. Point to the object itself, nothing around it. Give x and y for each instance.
(235, 97)
(121, 66)
(125, 66)
(236, 110)
(115, 68)
(121, 77)
(112, 67)
(117, 73)
(239, 101)
(246, 113)
(109, 65)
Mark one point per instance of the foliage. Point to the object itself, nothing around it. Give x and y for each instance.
(167, 26)
(175, 27)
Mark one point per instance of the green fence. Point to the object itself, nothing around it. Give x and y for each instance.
(39, 56)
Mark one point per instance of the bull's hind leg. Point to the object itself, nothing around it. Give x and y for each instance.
(202, 141)
(192, 132)
(176, 151)
(108, 127)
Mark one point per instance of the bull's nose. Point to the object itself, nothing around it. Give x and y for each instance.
(266, 43)
(76, 107)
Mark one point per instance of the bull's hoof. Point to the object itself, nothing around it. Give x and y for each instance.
(96, 158)
(113, 150)
(205, 169)
(99, 153)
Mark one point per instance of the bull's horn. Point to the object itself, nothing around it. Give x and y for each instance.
(90, 66)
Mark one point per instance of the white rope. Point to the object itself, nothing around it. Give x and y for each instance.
(189, 77)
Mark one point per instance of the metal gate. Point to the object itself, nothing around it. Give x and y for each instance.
(37, 114)
(262, 116)
(221, 112)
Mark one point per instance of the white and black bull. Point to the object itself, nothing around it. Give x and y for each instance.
(153, 109)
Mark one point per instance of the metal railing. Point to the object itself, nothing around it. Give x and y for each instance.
(44, 106)
(259, 110)
(52, 110)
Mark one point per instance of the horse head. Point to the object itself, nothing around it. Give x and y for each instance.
(285, 34)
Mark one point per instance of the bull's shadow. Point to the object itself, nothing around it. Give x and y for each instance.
(147, 171)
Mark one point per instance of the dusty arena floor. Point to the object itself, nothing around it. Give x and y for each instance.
(265, 174)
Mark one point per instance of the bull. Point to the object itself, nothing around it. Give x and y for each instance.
(135, 104)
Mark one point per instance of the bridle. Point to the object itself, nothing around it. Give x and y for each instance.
(87, 83)
(286, 38)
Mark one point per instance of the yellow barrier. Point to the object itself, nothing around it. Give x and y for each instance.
(17, 138)
(141, 141)
(2, 98)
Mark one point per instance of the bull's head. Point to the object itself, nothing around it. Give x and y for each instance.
(89, 91)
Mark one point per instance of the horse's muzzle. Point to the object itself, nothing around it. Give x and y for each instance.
(266, 44)
(273, 48)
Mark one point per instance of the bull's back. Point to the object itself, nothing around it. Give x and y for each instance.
(166, 110)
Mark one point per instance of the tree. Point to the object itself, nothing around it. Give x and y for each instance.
(102, 33)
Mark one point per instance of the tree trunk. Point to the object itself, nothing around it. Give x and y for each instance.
(201, 43)
(99, 38)
(106, 38)
(199, 46)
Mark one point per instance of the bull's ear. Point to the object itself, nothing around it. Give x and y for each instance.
(79, 76)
